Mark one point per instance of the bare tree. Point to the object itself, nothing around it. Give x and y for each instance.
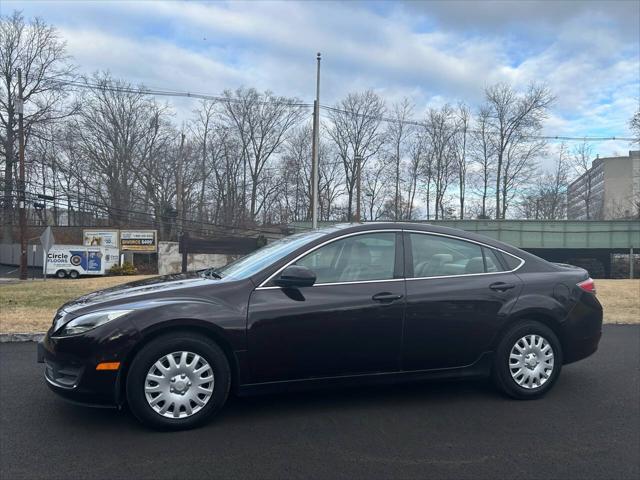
(115, 133)
(483, 153)
(262, 122)
(201, 129)
(376, 189)
(441, 130)
(36, 49)
(461, 146)
(548, 197)
(518, 170)
(225, 156)
(514, 120)
(355, 131)
(398, 132)
(414, 171)
(634, 124)
(295, 175)
(331, 180)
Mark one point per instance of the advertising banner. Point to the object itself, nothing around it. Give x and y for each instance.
(100, 238)
(88, 260)
(140, 241)
(94, 261)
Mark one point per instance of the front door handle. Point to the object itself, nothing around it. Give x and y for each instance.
(386, 297)
(501, 286)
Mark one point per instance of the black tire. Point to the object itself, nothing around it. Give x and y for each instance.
(156, 349)
(501, 373)
(73, 274)
(61, 274)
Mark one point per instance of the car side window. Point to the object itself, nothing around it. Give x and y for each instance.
(357, 258)
(492, 262)
(435, 256)
(511, 261)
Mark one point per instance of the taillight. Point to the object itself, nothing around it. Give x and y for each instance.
(588, 285)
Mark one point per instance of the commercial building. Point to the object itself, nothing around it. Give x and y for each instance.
(609, 190)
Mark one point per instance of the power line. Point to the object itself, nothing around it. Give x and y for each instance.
(170, 93)
(419, 123)
(226, 99)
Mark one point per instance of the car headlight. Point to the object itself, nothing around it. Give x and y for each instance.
(89, 321)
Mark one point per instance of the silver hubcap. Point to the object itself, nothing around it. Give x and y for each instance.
(179, 384)
(531, 361)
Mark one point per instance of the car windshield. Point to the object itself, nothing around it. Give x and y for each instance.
(254, 262)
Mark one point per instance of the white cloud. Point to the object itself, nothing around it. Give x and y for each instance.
(432, 52)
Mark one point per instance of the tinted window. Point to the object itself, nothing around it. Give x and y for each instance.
(492, 260)
(511, 261)
(435, 256)
(354, 259)
(254, 262)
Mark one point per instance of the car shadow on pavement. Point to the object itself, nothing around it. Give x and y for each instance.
(240, 410)
(328, 399)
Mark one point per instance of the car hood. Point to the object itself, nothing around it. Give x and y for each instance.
(135, 291)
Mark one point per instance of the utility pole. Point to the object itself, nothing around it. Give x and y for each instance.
(358, 160)
(315, 147)
(21, 183)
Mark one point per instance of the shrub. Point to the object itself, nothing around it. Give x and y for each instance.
(126, 268)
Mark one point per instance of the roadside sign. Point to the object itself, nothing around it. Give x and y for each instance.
(100, 238)
(47, 241)
(140, 241)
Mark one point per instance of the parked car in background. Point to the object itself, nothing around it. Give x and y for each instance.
(384, 302)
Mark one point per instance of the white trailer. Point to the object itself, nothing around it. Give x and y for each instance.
(76, 260)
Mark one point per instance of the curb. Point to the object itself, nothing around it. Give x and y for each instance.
(21, 337)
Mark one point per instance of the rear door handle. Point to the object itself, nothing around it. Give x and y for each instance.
(501, 286)
(386, 297)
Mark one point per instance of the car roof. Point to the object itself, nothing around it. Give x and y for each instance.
(342, 228)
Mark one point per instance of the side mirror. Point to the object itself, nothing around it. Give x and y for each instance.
(295, 276)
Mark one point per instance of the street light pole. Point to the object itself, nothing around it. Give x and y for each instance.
(315, 146)
(21, 183)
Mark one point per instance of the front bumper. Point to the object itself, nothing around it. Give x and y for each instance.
(70, 363)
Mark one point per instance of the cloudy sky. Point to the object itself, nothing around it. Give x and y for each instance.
(432, 52)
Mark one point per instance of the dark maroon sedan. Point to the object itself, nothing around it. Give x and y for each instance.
(384, 302)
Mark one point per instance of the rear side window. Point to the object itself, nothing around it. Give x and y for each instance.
(511, 261)
(492, 261)
(435, 256)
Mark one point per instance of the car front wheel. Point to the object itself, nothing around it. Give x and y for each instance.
(178, 381)
(528, 360)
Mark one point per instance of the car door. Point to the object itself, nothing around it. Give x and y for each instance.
(458, 295)
(348, 323)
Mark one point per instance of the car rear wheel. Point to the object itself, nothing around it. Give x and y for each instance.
(74, 274)
(178, 381)
(528, 360)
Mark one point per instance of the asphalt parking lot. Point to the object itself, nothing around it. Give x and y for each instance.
(587, 427)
